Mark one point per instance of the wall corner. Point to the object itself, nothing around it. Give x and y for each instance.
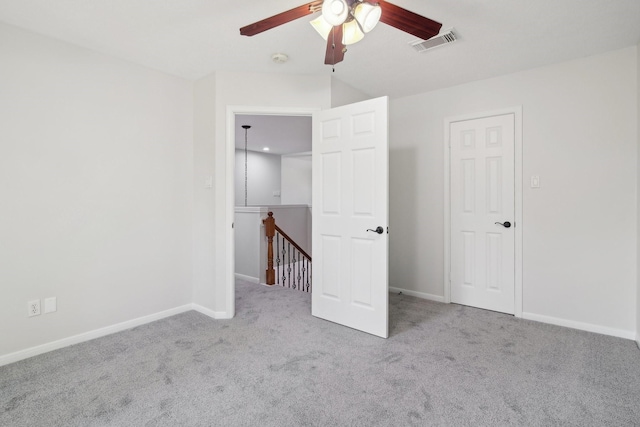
(204, 138)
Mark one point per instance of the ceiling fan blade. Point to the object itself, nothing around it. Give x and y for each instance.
(408, 21)
(281, 18)
(335, 48)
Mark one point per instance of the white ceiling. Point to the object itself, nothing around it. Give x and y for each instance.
(282, 134)
(192, 38)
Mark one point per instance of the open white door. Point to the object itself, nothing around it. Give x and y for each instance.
(350, 202)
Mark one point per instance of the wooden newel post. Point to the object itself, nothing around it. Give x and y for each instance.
(270, 231)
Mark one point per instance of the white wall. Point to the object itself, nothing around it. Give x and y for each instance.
(95, 187)
(343, 93)
(580, 136)
(296, 179)
(263, 178)
(237, 89)
(250, 243)
(204, 136)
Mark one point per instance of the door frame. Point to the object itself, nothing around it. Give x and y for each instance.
(229, 262)
(518, 227)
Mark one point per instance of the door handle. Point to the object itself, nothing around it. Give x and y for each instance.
(505, 224)
(378, 230)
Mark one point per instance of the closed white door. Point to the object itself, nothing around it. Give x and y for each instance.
(483, 213)
(350, 216)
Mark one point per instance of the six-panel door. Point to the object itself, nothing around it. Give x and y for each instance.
(482, 213)
(350, 196)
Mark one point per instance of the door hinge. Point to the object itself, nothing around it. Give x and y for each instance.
(233, 225)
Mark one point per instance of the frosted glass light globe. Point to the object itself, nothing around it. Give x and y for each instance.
(368, 15)
(335, 12)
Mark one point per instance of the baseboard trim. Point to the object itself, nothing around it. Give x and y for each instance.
(210, 313)
(87, 336)
(589, 327)
(249, 279)
(423, 295)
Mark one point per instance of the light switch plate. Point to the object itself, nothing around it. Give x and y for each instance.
(50, 305)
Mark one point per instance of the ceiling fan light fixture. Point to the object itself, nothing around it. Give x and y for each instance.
(335, 12)
(368, 15)
(351, 32)
(339, 15)
(321, 26)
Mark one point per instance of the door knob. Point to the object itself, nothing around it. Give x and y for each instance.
(378, 230)
(505, 224)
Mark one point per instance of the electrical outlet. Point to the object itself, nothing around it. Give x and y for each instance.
(50, 305)
(33, 308)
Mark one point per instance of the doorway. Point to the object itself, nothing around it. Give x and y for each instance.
(232, 121)
(272, 174)
(361, 130)
(483, 211)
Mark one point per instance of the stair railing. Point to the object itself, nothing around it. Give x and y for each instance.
(288, 264)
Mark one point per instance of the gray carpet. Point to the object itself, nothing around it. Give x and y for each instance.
(276, 365)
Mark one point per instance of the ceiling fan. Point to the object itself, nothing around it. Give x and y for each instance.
(344, 22)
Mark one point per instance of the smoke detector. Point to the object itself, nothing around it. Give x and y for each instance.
(279, 58)
(441, 39)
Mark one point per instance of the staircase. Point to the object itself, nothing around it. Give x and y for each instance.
(288, 264)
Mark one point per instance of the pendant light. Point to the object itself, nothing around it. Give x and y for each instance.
(246, 175)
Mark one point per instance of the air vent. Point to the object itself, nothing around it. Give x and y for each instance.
(439, 40)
